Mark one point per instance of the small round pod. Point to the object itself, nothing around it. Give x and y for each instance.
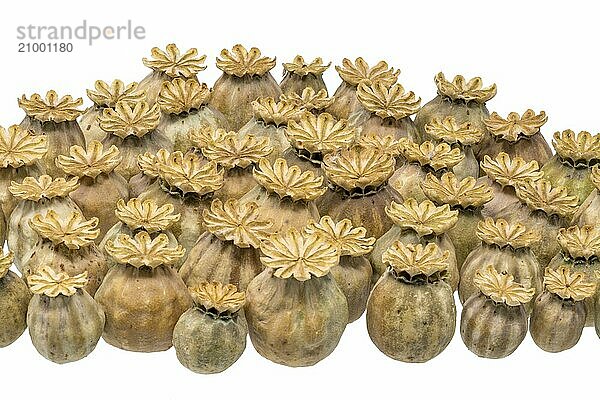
(493, 322)
(14, 300)
(411, 315)
(143, 297)
(299, 75)
(358, 187)
(147, 175)
(245, 78)
(518, 136)
(168, 65)
(56, 118)
(285, 195)
(211, 336)
(311, 100)
(422, 159)
(100, 186)
(461, 136)
(418, 223)
(559, 313)
(184, 106)
(295, 310)
(467, 196)
(505, 245)
(36, 195)
(588, 212)
(20, 155)
(503, 174)
(65, 322)
(354, 273)
(106, 96)
(571, 165)
(228, 252)
(345, 101)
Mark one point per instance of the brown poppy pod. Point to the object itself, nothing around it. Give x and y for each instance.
(147, 175)
(309, 99)
(65, 322)
(588, 213)
(14, 300)
(493, 322)
(299, 75)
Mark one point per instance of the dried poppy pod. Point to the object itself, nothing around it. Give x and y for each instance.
(211, 336)
(36, 195)
(588, 213)
(503, 174)
(493, 322)
(358, 181)
(312, 137)
(467, 197)
(345, 100)
(518, 136)
(147, 175)
(188, 183)
(14, 300)
(411, 315)
(354, 273)
(100, 187)
(285, 195)
(310, 100)
(299, 75)
(505, 246)
(238, 157)
(132, 128)
(184, 106)
(65, 322)
(464, 100)
(106, 96)
(20, 156)
(418, 223)
(559, 314)
(383, 144)
(245, 78)
(56, 118)
(420, 160)
(168, 65)
(66, 245)
(295, 310)
(143, 297)
(461, 136)
(228, 252)
(571, 165)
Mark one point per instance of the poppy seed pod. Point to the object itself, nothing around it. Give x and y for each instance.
(354, 273)
(299, 75)
(309, 99)
(345, 101)
(383, 144)
(147, 175)
(211, 336)
(559, 314)
(411, 315)
(56, 118)
(14, 300)
(65, 322)
(588, 212)
(143, 296)
(245, 78)
(228, 252)
(493, 322)
(295, 310)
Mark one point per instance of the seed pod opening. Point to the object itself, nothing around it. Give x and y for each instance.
(299, 75)
(14, 300)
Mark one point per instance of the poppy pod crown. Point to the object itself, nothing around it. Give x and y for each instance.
(241, 62)
(174, 64)
(504, 234)
(20, 147)
(461, 89)
(423, 218)
(52, 107)
(44, 187)
(360, 72)
(183, 95)
(580, 242)
(237, 222)
(91, 161)
(388, 101)
(510, 172)
(146, 215)
(72, 231)
(49, 283)
(449, 131)
(147, 164)
(541, 195)
(309, 100)
(300, 67)
(186, 173)
(230, 151)
(349, 240)
(6, 260)
(580, 150)
(515, 126)
(269, 111)
(108, 95)
(202, 137)
(287, 181)
(217, 299)
(568, 285)
(428, 154)
(501, 287)
(130, 119)
(384, 144)
(417, 263)
(141, 251)
(466, 193)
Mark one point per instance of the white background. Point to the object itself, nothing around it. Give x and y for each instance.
(540, 55)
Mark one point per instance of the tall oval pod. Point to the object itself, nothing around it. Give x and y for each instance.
(299, 75)
(588, 212)
(65, 322)
(295, 310)
(14, 300)
(493, 322)
(411, 315)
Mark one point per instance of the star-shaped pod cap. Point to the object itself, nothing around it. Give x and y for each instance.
(360, 72)
(20, 147)
(541, 195)
(501, 287)
(568, 285)
(231, 151)
(91, 161)
(130, 119)
(581, 148)
(44, 187)
(515, 127)
(72, 231)
(449, 131)
(466, 90)
(424, 218)
(278, 113)
(187, 173)
(427, 154)
(448, 189)
(320, 134)
(302, 68)
(501, 233)
(507, 171)
(142, 251)
(388, 101)
(49, 283)
(6, 261)
(241, 62)
(146, 215)
(287, 181)
(309, 100)
(108, 95)
(52, 107)
(175, 64)
(218, 299)
(580, 242)
(417, 263)
(350, 240)
(183, 95)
